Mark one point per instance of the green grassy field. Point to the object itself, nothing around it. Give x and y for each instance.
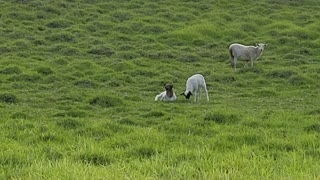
(78, 81)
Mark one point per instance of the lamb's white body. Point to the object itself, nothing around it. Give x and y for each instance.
(164, 97)
(193, 86)
(247, 53)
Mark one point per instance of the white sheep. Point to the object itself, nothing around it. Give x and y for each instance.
(167, 95)
(193, 86)
(247, 53)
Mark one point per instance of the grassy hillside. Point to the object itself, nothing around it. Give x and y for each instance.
(78, 80)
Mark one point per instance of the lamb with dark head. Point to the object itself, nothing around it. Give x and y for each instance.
(167, 95)
(193, 86)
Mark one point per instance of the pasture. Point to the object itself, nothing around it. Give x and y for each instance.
(78, 80)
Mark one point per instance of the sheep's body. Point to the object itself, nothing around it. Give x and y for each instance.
(167, 95)
(247, 53)
(193, 86)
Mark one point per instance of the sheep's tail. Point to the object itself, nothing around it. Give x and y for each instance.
(231, 57)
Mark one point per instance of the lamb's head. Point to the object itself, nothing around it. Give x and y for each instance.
(187, 94)
(169, 90)
(261, 46)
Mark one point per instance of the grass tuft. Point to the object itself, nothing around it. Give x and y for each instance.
(19, 115)
(95, 159)
(8, 98)
(105, 101)
(101, 51)
(221, 118)
(144, 152)
(11, 70)
(313, 127)
(69, 124)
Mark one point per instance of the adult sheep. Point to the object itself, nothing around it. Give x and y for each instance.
(193, 86)
(247, 53)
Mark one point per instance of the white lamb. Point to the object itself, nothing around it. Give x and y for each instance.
(247, 53)
(193, 86)
(167, 95)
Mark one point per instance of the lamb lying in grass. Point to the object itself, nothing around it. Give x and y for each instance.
(193, 86)
(242, 52)
(167, 95)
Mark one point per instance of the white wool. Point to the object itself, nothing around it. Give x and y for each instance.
(163, 97)
(242, 52)
(194, 84)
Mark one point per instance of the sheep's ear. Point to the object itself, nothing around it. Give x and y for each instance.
(256, 44)
(182, 93)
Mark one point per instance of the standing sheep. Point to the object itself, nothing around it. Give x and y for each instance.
(247, 53)
(167, 95)
(193, 86)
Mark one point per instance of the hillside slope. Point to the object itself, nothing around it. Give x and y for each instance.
(78, 81)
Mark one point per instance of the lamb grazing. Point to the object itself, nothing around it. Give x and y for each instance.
(193, 86)
(167, 95)
(247, 53)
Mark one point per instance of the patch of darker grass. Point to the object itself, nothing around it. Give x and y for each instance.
(85, 84)
(19, 115)
(221, 118)
(312, 128)
(8, 98)
(101, 51)
(253, 69)
(126, 121)
(69, 124)
(25, 77)
(299, 80)
(154, 114)
(265, 93)
(59, 23)
(277, 146)
(95, 159)
(281, 73)
(314, 112)
(188, 57)
(226, 79)
(95, 133)
(144, 152)
(52, 154)
(105, 101)
(11, 70)
(61, 37)
(44, 70)
(49, 137)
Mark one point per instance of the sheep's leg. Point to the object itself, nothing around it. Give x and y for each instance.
(206, 91)
(251, 62)
(234, 64)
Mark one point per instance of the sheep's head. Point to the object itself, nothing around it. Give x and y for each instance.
(169, 90)
(187, 95)
(261, 46)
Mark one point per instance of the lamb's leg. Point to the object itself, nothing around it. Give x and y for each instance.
(195, 96)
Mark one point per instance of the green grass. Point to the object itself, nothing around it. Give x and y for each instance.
(78, 81)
